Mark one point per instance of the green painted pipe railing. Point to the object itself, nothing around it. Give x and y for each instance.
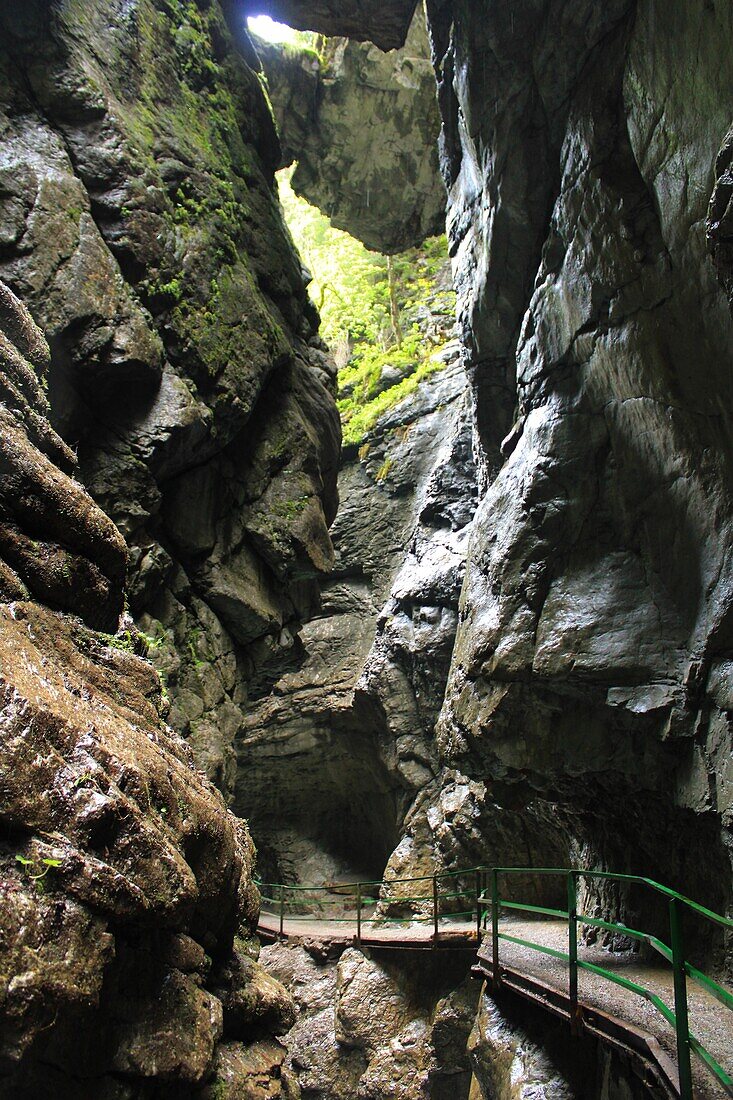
(485, 897)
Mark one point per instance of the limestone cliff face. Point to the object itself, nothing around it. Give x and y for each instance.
(576, 656)
(362, 127)
(587, 706)
(124, 877)
(720, 216)
(139, 222)
(331, 759)
(592, 667)
(186, 391)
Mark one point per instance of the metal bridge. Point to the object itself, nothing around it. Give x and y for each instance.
(466, 910)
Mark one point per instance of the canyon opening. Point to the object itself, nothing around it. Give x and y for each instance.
(366, 549)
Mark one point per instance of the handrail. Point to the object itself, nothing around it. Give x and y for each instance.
(482, 905)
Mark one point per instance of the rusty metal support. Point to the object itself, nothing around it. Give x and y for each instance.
(358, 913)
(495, 926)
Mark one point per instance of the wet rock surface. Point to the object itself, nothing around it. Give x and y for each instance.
(124, 878)
(576, 656)
(141, 227)
(362, 128)
(720, 216)
(376, 1026)
(507, 1063)
(55, 544)
(254, 1072)
(331, 759)
(515, 1052)
(586, 694)
(591, 664)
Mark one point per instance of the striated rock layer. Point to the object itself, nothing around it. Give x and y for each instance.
(124, 877)
(139, 222)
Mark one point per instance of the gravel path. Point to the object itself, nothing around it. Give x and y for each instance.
(710, 1022)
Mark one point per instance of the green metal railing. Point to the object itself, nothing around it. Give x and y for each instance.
(483, 897)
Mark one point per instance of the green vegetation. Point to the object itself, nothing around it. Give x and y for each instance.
(36, 870)
(130, 642)
(383, 471)
(194, 98)
(124, 641)
(194, 639)
(172, 289)
(358, 419)
(85, 780)
(385, 318)
(290, 509)
(308, 45)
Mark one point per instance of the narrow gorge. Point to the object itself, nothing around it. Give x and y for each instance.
(366, 525)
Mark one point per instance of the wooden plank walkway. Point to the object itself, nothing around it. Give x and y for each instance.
(413, 936)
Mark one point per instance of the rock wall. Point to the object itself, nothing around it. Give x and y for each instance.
(374, 1025)
(124, 878)
(592, 664)
(330, 760)
(362, 127)
(187, 391)
(582, 684)
(507, 1063)
(139, 222)
(719, 224)
(587, 708)
(516, 1052)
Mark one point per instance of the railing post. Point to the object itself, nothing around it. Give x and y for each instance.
(573, 949)
(478, 907)
(495, 925)
(282, 912)
(358, 913)
(680, 998)
(435, 908)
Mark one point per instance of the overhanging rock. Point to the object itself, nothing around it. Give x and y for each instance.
(362, 127)
(384, 24)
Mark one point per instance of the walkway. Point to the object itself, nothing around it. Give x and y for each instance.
(619, 997)
(343, 931)
(709, 1021)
